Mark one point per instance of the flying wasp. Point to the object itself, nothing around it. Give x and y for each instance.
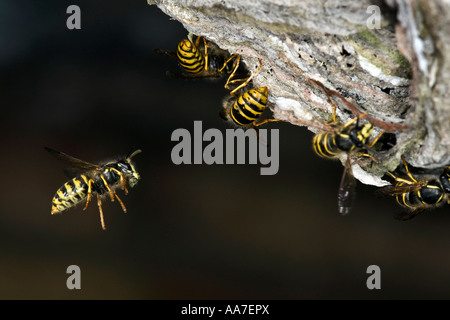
(245, 109)
(204, 59)
(419, 195)
(94, 179)
(349, 138)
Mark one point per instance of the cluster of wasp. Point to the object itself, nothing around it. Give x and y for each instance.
(200, 58)
(204, 59)
(414, 195)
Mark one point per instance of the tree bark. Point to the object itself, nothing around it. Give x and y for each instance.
(397, 71)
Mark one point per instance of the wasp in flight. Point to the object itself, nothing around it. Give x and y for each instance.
(349, 138)
(248, 106)
(94, 179)
(204, 59)
(419, 195)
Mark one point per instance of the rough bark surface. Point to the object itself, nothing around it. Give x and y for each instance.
(398, 73)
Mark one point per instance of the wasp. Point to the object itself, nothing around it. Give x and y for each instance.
(419, 195)
(94, 179)
(246, 108)
(349, 138)
(204, 59)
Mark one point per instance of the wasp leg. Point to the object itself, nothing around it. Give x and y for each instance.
(121, 203)
(350, 122)
(232, 92)
(357, 118)
(334, 107)
(407, 170)
(393, 176)
(197, 39)
(372, 143)
(111, 193)
(206, 54)
(197, 43)
(398, 179)
(89, 193)
(362, 154)
(122, 180)
(233, 72)
(228, 60)
(99, 203)
(265, 121)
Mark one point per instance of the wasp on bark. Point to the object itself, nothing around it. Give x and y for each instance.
(244, 108)
(351, 138)
(200, 58)
(417, 195)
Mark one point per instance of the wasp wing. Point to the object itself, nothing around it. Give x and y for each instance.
(184, 75)
(175, 75)
(75, 165)
(168, 53)
(346, 192)
(396, 190)
(404, 216)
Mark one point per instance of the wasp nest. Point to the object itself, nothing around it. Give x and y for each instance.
(386, 58)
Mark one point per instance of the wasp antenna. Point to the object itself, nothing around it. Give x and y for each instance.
(48, 149)
(132, 153)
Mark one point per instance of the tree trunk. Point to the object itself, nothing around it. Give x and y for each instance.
(385, 58)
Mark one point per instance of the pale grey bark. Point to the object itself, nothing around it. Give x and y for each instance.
(398, 73)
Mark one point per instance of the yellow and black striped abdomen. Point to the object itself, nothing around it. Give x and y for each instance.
(428, 195)
(189, 57)
(407, 199)
(325, 146)
(72, 192)
(249, 106)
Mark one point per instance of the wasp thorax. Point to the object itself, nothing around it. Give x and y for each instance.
(365, 132)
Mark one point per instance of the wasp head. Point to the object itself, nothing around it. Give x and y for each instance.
(126, 166)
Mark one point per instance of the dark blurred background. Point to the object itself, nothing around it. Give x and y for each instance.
(191, 231)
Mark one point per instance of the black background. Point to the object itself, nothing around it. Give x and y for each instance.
(191, 231)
